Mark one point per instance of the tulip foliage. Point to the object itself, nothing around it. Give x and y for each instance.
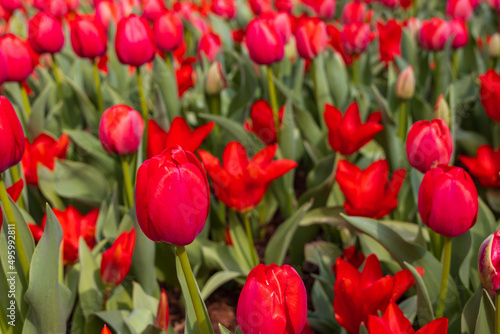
(244, 167)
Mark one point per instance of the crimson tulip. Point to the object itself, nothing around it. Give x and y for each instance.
(389, 35)
(185, 76)
(350, 255)
(458, 30)
(3, 68)
(107, 11)
(489, 262)
(434, 33)
(460, 9)
(45, 33)
(11, 5)
(17, 56)
(210, 45)
(335, 40)
(241, 184)
(429, 144)
(162, 314)
(485, 166)
(152, 9)
(311, 38)
(12, 134)
(36, 232)
(448, 201)
(264, 43)
(354, 12)
(356, 37)
(260, 7)
(224, 8)
(134, 41)
(168, 31)
(282, 23)
(284, 6)
(43, 150)
(57, 8)
(489, 93)
(172, 197)
(262, 121)
(120, 129)
(324, 9)
(346, 134)
(179, 134)
(116, 261)
(88, 37)
(273, 300)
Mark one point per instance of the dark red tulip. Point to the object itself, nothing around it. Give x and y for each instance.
(324, 9)
(485, 166)
(259, 7)
(120, 129)
(458, 30)
(335, 40)
(354, 12)
(17, 56)
(162, 314)
(356, 37)
(389, 35)
(116, 261)
(45, 33)
(434, 33)
(12, 134)
(57, 8)
(88, 37)
(134, 41)
(11, 5)
(262, 121)
(168, 30)
(264, 43)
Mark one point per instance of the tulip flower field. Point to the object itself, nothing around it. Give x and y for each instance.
(249, 167)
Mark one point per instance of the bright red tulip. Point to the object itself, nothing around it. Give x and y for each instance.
(259, 7)
(241, 184)
(429, 144)
(485, 166)
(88, 37)
(17, 56)
(178, 134)
(273, 300)
(210, 45)
(45, 33)
(120, 129)
(105, 330)
(282, 23)
(43, 150)
(12, 134)
(134, 41)
(107, 11)
(285, 6)
(447, 200)
(175, 213)
(367, 193)
(346, 134)
(458, 30)
(335, 40)
(460, 9)
(324, 9)
(350, 255)
(264, 43)
(262, 121)
(185, 76)
(490, 94)
(224, 8)
(11, 5)
(162, 314)
(394, 322)
(168, 30)
(354, 12)
(489, 262)
(311, 38)
(356, 37)
(116, 261)
(56, 8)
(389, 35)
(434, 33)
(152, 9)
(361, 294)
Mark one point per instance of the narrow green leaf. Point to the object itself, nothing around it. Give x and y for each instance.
(217, 280)
(90, 287)
(425, 312)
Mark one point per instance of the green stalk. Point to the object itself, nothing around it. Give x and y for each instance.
(15, 178)
(455, 65)
(127, 181)
(26, 102)
(444, 277)
(251, 244)
(11, 220)
(355, 71)
(97, 82)
(106, 295)
(144, 110)
(403, 120)
(193, 289)
(497, 312)
(313, 77)
(274, 101)
(55, 69)
(436, 77)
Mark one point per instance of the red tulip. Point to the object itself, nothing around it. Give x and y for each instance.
(210, 45)
(394, 322)
(265, 45)
(241, 184)
(337, 43)
(259, 7)
(45, 33)
(389, 35)
(361, 294)
(224, 8)
(311, 38)
(367, 193)
(172, 197)
(12, 134)
(285, 6)
(74, 226)
(152, 9)
(489, 262)
(460, 9)
(495, 4)
(185, 76)
(11, 5)
(273, 300)
(88, 37)
(17, 56)
(44, 150)
(116, 261)
(282, 23)
(354, 12)
(168, 30)
(57, 8)
(324, 9)
(490, 94)
(134, 41)
(354, 258)
(429, 144)
(346, 134)
(120, 129)
(485, 166)
(162, 314)
(36, 232)
(107, 11)
(458, 30)
(262, 123)
(105, 330)
(434, 33)
(179, 134)
(447, 200)
(356, 37)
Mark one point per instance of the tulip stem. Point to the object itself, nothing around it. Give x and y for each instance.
(444, 277)
(355, 72)
(403, 120)
(274, 101)
(127, 181)
(26, 101)
(455, 65)
(497, 312)
(251, 244)
(15, 178)
(55, 69)
(142, 96)
(105, 297)
(97, 82)
(192, 289)
(11, 220)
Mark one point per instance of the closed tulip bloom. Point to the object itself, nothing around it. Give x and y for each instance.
(489, 94)
(88, 37)
(162, 314)
(168, 31)
(265, 45)
(429, 144)
(460, 9)
(447, 200)
(285, 6)
(259, 7)
(273, 300)
(45, 33)
(116, 261)
(442, 110)
(215, 81)
(12, 134)
(413, 25)
(107, 11)
(224, 8)
(494, 45)
(152, 9)
(185, 76)
(346, 134)
(356, 37)
(57, 8)
(458, 30)
(240, 183)
(282, 23)
(389, 35)
(134, 41)
(11, 5)
(485, 166)
(489, 262)
(324, 9)
(368, 193)
(405, 84)
(120, 129)
(17, 56)
(311, 38)
(210, 45)
(172, 197)
(354, 12)
(262, 121)
(434, 33)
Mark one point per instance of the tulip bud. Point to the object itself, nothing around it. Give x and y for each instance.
(120, 129)
(458, 30)
(265, 45)
(168, 31)
(494, 45)
(405, 84)
(216, 80)
(134, 41)
(12, 134)
(88, 37)
(116, 261)
(273, 300)
(45, 33)
(489, 262)
(17, 56)
(442, 110)
(448, 201)
(175, 213)
(162, 315)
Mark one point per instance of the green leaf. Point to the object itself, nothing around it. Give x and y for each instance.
(90, 286)
(217, 280)
(425, 312)
(224, 330)
(116, 320)
(248, 84)
(470, 312)
(139, 320)
(486, 316)
(326, 215)
(142, 300)
(240, 242)
(46, 179)
(338, 79)
(166, 82)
